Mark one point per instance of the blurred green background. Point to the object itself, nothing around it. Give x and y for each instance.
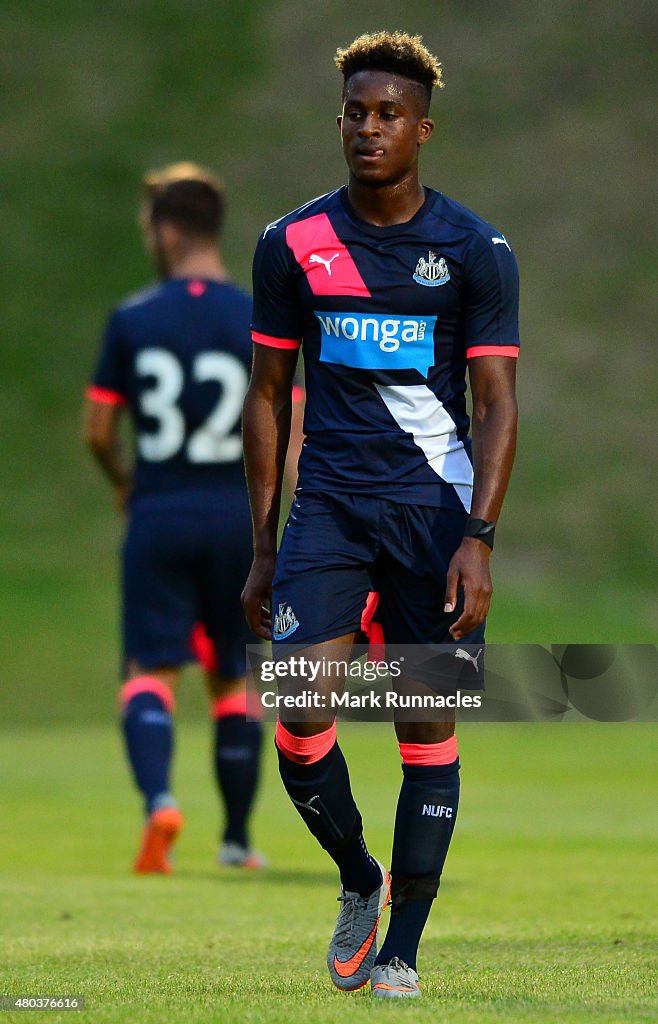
(544, 128)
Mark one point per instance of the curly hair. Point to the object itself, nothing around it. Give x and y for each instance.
(396, 52)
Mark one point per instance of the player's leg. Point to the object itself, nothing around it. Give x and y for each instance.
(319, 594)
(237, 729)
(315, 775)
(412, 584)
(237, 744)
(424, 823)
(148, 700)
(147, 706)
(316, 778)
(157, 609)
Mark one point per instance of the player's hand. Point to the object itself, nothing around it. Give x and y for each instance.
(257, 596)
(469, 569)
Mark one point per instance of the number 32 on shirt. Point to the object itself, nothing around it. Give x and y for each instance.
(213, 441)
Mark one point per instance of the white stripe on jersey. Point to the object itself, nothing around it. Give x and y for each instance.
(417, 410)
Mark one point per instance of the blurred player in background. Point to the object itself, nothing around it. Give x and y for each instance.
(394, 290)
(177, 357)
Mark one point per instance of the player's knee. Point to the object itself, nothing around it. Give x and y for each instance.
(424, 732)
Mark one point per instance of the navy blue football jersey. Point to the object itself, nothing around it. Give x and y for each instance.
(179, 356)
(387, 318)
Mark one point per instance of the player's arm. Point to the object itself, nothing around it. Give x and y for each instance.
(493, 380)
(105, 401)
(101, 434)
(266, 423)
(296, 437)
(491, 315)
(277, 331)
(495, 416)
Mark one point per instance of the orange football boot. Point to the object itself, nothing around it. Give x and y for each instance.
(160, 833)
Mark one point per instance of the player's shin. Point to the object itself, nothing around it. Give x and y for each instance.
(315, 775)
(237, 746)
(147, 705)
(424, 823)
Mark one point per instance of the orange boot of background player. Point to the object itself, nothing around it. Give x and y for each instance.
(162, 828)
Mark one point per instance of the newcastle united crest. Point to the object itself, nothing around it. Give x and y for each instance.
(432, 271)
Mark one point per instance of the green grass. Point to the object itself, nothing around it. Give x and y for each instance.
(545, 914)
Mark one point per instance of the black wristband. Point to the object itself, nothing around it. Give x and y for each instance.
(481, 529)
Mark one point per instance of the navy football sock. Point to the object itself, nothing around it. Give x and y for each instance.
(322, 794)
(424, 823)
(148, 731)
(237, 760)
(404, 932)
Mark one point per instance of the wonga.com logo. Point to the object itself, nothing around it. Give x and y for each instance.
(375, 342)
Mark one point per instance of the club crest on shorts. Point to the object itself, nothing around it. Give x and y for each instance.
(285, 622)
(432, 271)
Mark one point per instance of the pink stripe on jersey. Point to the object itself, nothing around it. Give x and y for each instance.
(105, 395)
(511, 351)
(429, 753)
(147, 684)
(304, 749)
(272, 342)
(326, 261)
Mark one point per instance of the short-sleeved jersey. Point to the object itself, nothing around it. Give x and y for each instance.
(388, 317)
(179, 355)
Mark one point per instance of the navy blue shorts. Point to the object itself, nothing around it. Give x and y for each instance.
(185, 560)
(337, 548)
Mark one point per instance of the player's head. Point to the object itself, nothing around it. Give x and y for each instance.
(182, 208)
(388, 79)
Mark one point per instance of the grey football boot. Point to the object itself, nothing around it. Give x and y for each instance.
(353, 945)
(232, 855)
(394, 980)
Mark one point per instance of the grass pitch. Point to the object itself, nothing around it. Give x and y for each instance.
(545, 913)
